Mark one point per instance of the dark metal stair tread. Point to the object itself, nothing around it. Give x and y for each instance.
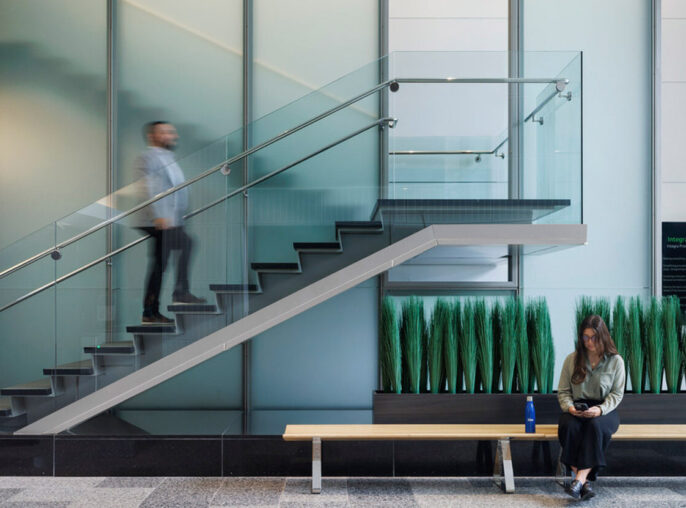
(121, 347)
(38, 387)
(367, 224)
(275, 266)
(335, 246)
(151, 329)
(189, 308)
(424, 212)
(80, 368)
(244, 288)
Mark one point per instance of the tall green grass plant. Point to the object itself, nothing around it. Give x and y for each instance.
(450, 352)
(496, 318)
(523, 360)
(440, 322)
(412, 342)
(484, 337)
(508, 342)
(468, 346)
(654, 344)
(541, 344)
(672, 346)
(391, 368)
(635, 346)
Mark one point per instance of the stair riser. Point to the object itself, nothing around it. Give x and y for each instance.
(228, 302)
(194, 327)
(188, 322)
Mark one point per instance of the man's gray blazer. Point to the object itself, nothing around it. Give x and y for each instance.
(156, 171)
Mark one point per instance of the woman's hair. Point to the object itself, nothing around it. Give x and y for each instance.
(603, 341)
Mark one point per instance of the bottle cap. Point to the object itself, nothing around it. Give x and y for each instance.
(529, 398)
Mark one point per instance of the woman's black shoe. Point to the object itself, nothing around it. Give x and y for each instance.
(587, 491)
(574, 489)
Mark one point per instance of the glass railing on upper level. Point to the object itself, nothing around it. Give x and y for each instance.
(452, 142)
(71, 319)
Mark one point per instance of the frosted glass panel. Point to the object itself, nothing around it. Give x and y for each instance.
(53, 67)
(181, 62)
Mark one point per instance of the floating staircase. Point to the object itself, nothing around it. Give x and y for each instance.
(112, 360)
(274, 283)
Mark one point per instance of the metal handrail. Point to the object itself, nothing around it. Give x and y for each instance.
(393, 84)
(530, 116)
(388, 120)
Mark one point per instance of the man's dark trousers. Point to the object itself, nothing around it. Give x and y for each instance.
(165, 241)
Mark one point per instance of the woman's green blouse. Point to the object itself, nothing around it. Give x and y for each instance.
(605, 382)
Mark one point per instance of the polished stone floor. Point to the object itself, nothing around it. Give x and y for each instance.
(32, 492)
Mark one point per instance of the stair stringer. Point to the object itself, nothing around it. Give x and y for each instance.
(296, 303)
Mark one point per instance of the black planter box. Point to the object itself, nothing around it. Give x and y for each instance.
(493, 408)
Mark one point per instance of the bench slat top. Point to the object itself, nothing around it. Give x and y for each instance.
(466, 432)
(414, 431)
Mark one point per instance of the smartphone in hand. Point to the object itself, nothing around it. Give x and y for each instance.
(580, 406)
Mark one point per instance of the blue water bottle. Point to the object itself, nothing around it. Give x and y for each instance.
(530, 416)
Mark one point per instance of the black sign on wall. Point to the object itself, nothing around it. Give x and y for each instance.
(674, 260)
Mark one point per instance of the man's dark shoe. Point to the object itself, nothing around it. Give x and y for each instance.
(574, 489)
(587, 491)
(156, 319)
(187, 298)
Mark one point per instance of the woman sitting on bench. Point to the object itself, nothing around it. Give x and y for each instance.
(591, 387)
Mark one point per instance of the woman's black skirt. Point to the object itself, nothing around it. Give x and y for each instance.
(585, 440)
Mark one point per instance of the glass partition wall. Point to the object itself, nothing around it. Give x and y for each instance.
(314, 202)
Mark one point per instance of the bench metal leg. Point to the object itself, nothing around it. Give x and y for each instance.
(503, 474)
(316, 465)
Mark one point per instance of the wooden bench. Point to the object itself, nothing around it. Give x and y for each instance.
(503, 473)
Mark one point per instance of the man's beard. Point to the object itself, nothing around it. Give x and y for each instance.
(170, 146)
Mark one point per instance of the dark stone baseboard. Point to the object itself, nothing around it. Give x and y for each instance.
(271, 456)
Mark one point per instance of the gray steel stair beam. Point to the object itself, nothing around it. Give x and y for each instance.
(193, 308)
(39, 388)
(235, 288)
(112, 348)
(324, 247)
(276, 267)
(81, 368)
(153, 329)
(298, 302)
